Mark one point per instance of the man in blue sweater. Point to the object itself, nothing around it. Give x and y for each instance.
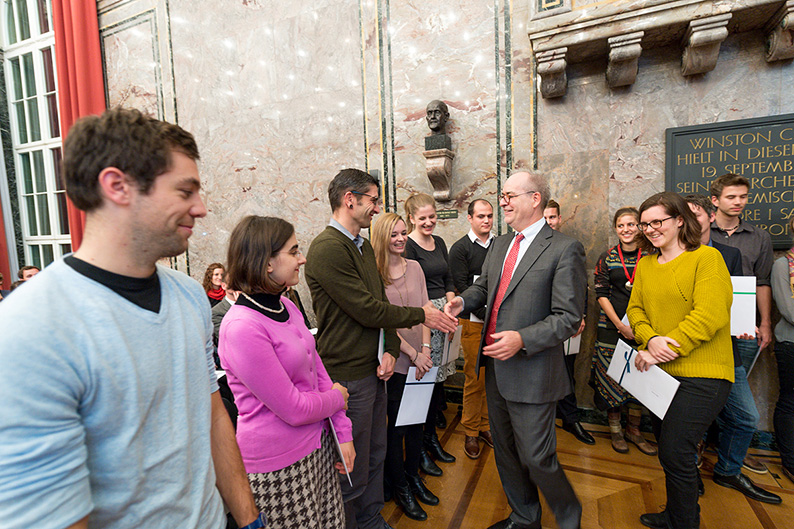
(114, 418)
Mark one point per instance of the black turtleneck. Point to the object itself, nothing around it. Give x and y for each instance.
(271, 301)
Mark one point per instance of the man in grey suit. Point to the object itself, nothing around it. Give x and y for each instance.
(533, 282)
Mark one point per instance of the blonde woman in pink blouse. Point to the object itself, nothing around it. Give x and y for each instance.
(282, 391)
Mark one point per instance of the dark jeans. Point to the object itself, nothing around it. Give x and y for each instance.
(748, 349)
(396, 466)
(737, 422)
(784, 409)
(366, 408)
(436, 401)
(695, 405)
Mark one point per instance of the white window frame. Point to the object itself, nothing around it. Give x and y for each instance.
(33, 244)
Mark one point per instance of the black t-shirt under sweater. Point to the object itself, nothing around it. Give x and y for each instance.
(143, 291)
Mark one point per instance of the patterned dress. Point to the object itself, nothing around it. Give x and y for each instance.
(610, 283)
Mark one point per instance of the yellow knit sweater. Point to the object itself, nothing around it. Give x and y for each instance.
(689, 300)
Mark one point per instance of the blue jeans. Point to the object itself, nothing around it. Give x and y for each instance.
(747, 351)
(784, 410)
(737, 422)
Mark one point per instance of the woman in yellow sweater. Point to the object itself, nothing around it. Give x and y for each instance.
(680, 314)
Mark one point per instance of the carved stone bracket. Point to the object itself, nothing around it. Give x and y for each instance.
(551, 68)
(624, 56)
(780, 37)
(702, 44)
(439, 171)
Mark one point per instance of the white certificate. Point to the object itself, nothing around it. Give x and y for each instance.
(571, 345)
(381, 345)
(339, 450)
(743, 308)
(472, 317)
(654, 387)
(416, 397)
(451, 347)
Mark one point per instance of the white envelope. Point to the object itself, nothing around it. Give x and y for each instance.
(472, 317)
(654, 388)
(571, 345)
(416, 397)
(743, 308)
(339, 450)
(451, 347)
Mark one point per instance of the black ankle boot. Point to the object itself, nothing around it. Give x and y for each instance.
(417, 486)
(405, 499)
(428, 467)
(433, 445)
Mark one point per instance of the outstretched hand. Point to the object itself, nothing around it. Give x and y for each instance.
(435, 319)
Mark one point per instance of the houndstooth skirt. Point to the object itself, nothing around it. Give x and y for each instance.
(304, 495)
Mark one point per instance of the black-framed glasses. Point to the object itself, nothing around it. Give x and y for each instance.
(507, 197)
(375, 200)
(655, 224)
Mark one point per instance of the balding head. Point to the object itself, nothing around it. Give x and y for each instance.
(529, 194)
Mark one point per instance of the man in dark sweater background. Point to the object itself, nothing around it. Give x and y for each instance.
(465, 263)
(352, 310)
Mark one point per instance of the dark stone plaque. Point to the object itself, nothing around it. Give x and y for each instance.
(760, 149)
(437, 141)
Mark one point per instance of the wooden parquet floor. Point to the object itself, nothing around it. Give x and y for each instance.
(614, 489)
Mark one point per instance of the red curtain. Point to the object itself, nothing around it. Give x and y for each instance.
(81, 84)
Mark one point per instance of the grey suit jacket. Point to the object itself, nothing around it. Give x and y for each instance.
(543, 303)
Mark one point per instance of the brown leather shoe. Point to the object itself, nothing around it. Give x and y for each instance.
(641, 443)
(619, 444)
(486, 438)
(754, 465)
(472, 447)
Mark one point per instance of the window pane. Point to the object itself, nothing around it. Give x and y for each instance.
(38, 171)
(46, 254)
(44, 20)
(35, 126)
(56, 164)
(27, 176)
(29, 75)
(35, 257)
(31, 215)
(44, 214)
(22, 123)
(66, 248)
(49, 74)
(11, 23)
(52, 110)
(16, 73)
(63, 218)
(24, 23)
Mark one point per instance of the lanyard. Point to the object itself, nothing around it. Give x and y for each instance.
(630, 282)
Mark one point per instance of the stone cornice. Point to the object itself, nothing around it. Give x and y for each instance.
(621, 29)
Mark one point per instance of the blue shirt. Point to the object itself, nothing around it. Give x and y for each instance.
(106, 411)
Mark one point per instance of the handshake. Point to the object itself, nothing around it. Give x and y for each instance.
(442, 321)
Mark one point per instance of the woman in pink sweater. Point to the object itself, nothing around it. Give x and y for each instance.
(282, 391)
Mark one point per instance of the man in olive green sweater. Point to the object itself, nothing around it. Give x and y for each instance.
(351, 307)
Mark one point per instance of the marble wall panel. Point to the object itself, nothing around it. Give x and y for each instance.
(132, 65)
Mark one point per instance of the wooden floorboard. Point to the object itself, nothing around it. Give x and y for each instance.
(615, 489)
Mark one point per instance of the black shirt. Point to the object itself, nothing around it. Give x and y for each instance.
(144, 292)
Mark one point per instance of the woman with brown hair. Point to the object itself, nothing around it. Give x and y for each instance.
(614, 279)
(213, 277)
(679, 312)
(282, 391)
(430, 252)
(405, 286)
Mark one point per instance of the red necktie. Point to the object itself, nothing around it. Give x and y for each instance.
(504, 282)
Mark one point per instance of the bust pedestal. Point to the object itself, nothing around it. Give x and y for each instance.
(439, 171)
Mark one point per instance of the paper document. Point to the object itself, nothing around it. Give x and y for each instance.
(416, 397)
(339, 450)
(571, 345)
(743, 308)
(654, 388)
(381, 345)
(451, 347)
(755, 359)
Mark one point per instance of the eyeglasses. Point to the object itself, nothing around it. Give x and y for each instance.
(375, 200)
(508, 197)
(294, 252)
(655, 224)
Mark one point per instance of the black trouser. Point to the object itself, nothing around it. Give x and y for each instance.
(411, 435)
(435, 407)
(784, 409)
(567, 408)
(695, 405)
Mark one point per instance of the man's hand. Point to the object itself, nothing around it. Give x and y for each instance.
(581, 328)
(764, 335)
(659, 348)
(349, 453)
(386, 367)
(644, 361)
(435, 319)
(506, 345)
(453, 307)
